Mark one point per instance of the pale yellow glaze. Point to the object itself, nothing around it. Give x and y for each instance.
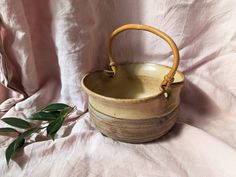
(135, 92)
(132, 81)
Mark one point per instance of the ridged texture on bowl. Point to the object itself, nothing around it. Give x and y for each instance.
(133, 131)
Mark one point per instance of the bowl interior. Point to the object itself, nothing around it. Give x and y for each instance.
(132, 81)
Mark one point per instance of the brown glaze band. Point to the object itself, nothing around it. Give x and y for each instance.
(133, 131)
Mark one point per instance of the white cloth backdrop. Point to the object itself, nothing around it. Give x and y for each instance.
(51, 44)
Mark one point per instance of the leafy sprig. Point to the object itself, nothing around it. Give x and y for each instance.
(54, 114)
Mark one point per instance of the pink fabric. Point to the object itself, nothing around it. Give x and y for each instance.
(52, 44)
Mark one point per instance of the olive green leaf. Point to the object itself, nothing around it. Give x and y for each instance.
(26, 134)
(17, 143)
(12, 148)
(7, 131)
(65, 112)
(44, 116)
(53, 127)
(16, 122)
(55, 107)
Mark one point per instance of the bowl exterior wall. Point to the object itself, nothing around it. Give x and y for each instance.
(133, 131)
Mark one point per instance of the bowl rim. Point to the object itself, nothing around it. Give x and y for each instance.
(128, 100)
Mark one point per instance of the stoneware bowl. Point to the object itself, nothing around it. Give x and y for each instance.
(135, 102)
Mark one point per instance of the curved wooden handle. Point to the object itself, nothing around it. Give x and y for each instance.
(169, 78)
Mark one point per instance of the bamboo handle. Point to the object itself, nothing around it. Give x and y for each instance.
(169, 78)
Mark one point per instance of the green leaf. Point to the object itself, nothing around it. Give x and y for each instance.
(65, 112)
(15, 145)
(26, 134)
(45, 116)
(53, 127)
(12, 148)
(55, 107)
(16, 122)
(7, 131)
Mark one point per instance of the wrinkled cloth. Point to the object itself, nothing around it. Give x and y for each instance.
(52, 44)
